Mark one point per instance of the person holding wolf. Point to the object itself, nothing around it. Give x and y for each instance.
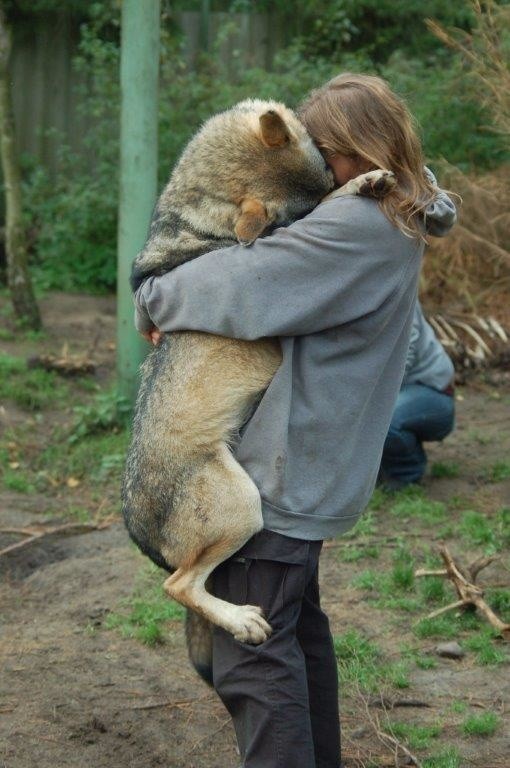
(338, 289)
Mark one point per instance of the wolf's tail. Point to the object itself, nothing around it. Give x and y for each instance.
(199, 642)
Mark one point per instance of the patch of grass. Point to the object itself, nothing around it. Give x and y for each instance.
(379, 499)
(432, 589)
(16, 480)
(352, 554)
(402, 573)
(109, 412)
(364, 527)
(476, 528)
(397, 674)
(416, 736)
(31, 335)
(96, 456)
(459, 707)
(415, 655)
(425, 662)
(482, 644)
(361, 663)
(6, 334)
(498, 472)
(440, 626)
(144, 615)
(485, 724)
(398, 603)
(445, 469)
(448, 757)
(503, 526)
(499, 600)
(428, 511)
(30, 389)
(366, 580)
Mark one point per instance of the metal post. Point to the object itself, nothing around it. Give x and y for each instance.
(139, 65)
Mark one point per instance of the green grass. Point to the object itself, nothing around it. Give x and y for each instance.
(448, 757)
(361, 663)
(17, 480)
(30, 389)
(402, 572)
(144, 615)
(352, 553)
(416, 736)
(109, 412)
(97, 456)
(476, 528)
(432, 589)
(364, 527)
(445, 469)
(416, 506)
(485, 724)
(498, 472)
(438, 627)
(499, 600)
(482, 645)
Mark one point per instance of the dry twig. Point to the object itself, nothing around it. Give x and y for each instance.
(469, 593)
(36, 533)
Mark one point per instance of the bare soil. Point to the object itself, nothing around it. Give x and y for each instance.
(75, 694)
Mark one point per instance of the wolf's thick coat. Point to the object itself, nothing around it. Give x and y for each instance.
(339, 288)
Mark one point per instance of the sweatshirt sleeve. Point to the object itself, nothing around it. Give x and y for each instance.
(441, 213)
(339, 263)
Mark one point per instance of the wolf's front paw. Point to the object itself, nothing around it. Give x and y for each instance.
(376, 183)
(250, 626)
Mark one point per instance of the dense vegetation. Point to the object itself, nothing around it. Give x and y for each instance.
(73, 216)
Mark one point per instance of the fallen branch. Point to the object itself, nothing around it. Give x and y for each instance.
(469, 593)
(35, 534)
(388, 740)
(72, 365)
(384, 702)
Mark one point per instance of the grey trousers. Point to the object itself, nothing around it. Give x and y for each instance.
(282, 695)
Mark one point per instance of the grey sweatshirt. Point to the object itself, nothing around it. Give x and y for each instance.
(427, 362)
(339, 288)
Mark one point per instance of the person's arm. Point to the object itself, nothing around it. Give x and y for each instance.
(337, 264)
(441, 214)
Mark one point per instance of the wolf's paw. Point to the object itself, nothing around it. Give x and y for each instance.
(249, 626)
(376, 183)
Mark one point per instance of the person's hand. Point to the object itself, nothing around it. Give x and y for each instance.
(153, 336)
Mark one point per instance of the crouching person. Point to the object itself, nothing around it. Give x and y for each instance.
(425, 408)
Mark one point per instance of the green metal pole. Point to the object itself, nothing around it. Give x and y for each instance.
(139, 65)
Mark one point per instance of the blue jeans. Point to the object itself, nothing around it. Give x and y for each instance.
(421, 414)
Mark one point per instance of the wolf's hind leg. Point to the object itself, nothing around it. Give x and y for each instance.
(231, 503)
(186, 586)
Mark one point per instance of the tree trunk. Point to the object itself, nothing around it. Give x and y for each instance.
(18, 277)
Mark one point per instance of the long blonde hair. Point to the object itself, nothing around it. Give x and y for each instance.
(360, 116)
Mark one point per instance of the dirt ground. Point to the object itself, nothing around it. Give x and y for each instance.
(73, 693)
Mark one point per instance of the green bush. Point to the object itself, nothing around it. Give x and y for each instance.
(74, 214)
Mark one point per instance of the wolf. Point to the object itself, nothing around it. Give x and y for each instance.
(186, 502)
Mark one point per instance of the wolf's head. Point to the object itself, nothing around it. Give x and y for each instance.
(248, 168)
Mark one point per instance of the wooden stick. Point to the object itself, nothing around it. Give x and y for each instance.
(451, 607)
(67, 528)
(469, 593)
(424, 572)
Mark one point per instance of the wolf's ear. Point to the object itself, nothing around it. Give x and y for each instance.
(252, 221)
(273, 131)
